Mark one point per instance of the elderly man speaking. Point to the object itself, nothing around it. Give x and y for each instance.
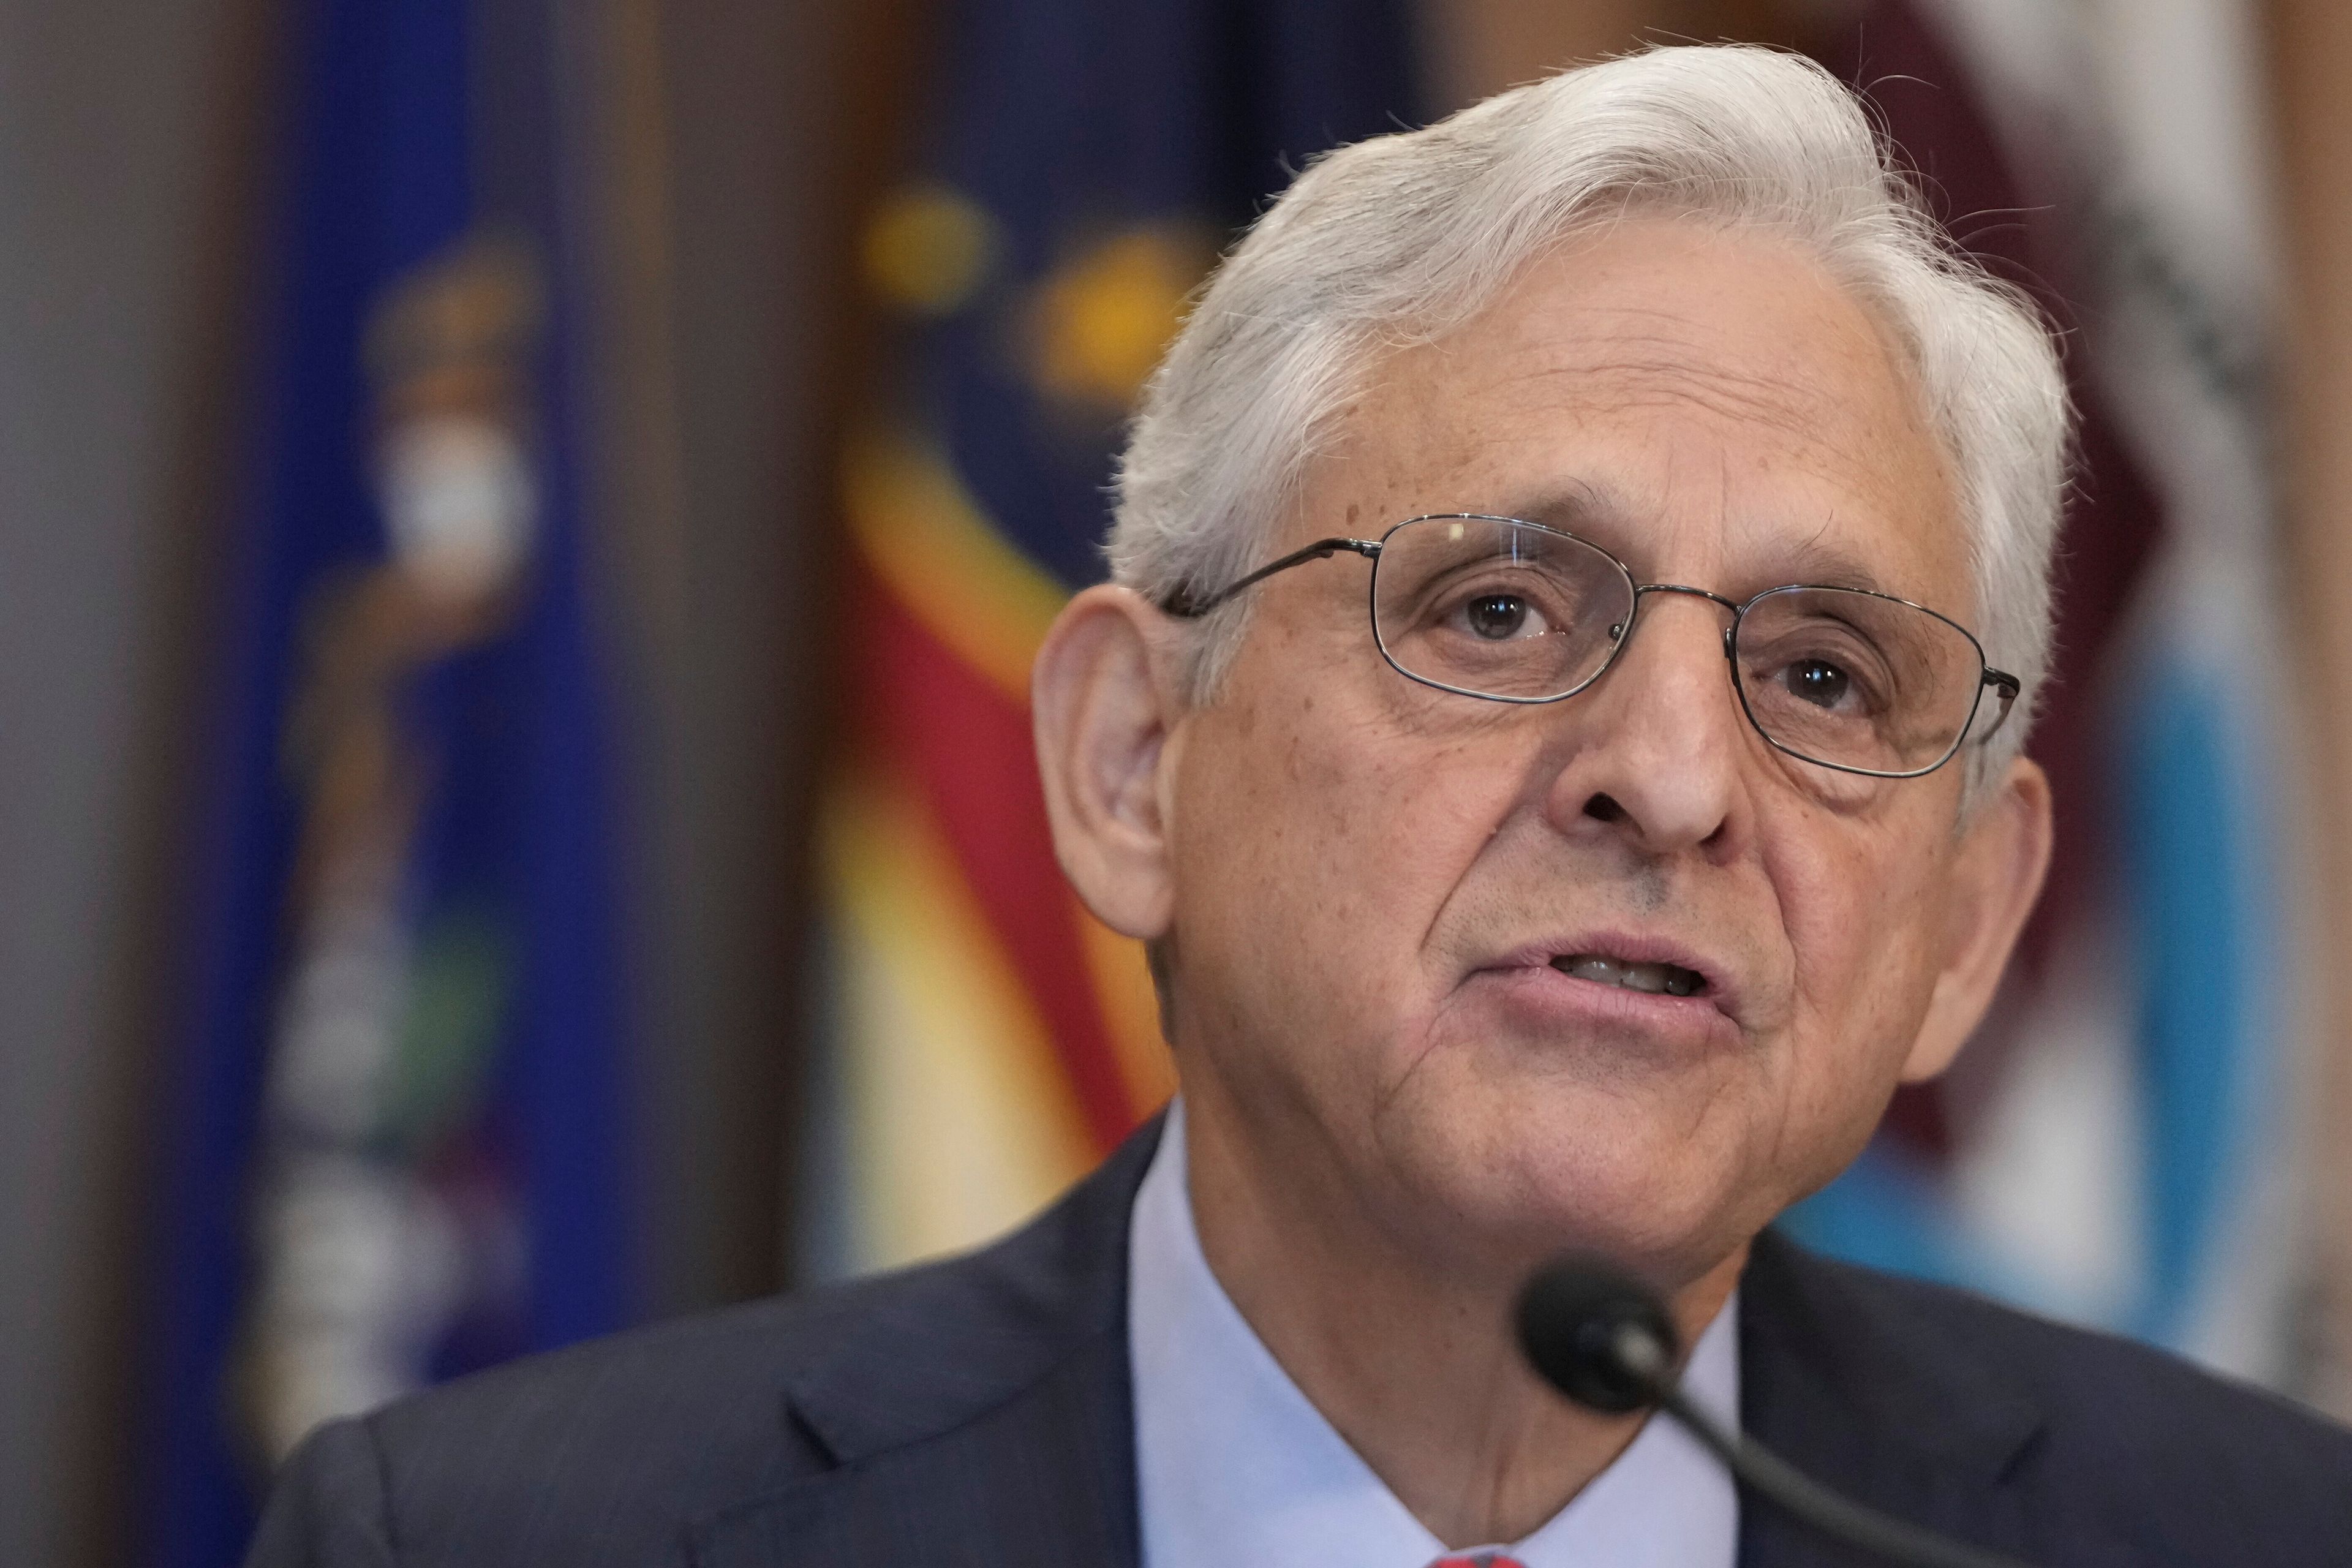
(1579, 590)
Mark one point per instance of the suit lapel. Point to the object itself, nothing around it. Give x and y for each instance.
(1047, 1478)
(980, 1414)
(1858, 1394)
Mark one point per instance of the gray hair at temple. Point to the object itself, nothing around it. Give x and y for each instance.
(1403, 238)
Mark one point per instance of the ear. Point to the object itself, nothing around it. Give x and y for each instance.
(2000, 861)
(1103, 698)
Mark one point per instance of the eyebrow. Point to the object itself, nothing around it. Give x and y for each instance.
(1823, 566)
(1592, 511)
(1584, 508)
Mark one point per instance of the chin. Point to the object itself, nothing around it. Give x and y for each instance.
(1515, 1184)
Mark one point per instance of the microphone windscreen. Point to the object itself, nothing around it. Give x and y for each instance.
(1573, 1316)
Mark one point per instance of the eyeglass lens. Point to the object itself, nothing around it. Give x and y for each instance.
(1494, 608)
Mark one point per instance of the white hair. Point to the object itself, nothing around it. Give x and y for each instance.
(1406, 237)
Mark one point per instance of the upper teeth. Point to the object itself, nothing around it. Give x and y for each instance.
(1670, 978)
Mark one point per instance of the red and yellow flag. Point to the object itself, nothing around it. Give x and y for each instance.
(990, 1040)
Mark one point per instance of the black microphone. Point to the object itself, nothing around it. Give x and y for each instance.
(1604, 1339)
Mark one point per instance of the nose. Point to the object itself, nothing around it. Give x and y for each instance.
(1655, 755)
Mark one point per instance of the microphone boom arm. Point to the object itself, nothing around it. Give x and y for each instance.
(1763, 1470)
(1760, 1470)
(1605, 1340)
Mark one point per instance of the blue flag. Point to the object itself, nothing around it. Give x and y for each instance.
(395, 1142)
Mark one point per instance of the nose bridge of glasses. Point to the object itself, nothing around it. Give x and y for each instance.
(1643, 589)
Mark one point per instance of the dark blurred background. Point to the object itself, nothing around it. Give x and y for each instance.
(521, 526)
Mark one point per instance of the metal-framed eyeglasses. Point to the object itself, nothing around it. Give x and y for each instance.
(1510, 611)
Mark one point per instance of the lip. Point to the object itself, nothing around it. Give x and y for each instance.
(1530, 967)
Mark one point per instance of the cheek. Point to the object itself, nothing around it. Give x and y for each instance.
(1328, 766)
(1861, 913)
(1318, 842)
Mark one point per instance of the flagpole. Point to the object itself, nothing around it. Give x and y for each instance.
(2311, 45)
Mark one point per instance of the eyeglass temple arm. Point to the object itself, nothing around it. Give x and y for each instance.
(1185, 607)
(2008, 687)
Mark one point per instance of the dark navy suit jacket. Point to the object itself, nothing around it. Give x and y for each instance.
(978, 1412)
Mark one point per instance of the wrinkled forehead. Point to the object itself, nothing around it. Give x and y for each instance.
(1701, 403)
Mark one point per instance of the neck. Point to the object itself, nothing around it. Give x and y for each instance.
(1416, 1367)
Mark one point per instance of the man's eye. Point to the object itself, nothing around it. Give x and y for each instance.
(1818, 681)
(1498, 616)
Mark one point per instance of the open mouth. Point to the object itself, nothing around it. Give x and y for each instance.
(1659, 979)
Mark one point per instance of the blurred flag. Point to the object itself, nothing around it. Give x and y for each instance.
(395, 1144)
(1083, 164)
(2120, 1147)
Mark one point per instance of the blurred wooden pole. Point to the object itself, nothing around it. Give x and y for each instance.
(2311, 55)
(735, 143)
(231, 102)
(744, 143)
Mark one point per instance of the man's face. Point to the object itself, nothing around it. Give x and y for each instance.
(1372, 879)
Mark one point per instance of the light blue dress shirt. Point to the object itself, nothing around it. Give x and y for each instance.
(1235, 1468)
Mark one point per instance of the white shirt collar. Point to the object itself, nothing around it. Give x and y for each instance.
(1235, 1465)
